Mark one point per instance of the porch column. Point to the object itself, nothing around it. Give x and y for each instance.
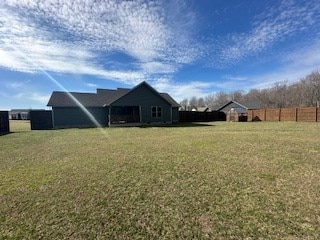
(109, 117)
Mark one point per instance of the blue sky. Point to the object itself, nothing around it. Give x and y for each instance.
(183, 47)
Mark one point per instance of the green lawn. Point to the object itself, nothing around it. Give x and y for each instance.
(212, 181)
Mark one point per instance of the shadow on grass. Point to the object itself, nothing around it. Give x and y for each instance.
(4, 133)
(177, 125)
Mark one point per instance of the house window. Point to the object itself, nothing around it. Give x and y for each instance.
(156, 112)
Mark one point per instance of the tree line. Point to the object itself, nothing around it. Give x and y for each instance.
(304, 93)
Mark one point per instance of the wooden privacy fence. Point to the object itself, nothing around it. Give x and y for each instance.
(190, 116)
(310, 114)
(41, 120)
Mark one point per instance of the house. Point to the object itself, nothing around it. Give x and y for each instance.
(137, 106)
(19, 114)
(237, 112)
(204, 109)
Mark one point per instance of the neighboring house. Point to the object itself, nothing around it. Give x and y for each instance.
(137, 106)
(237, 112)
(203, 109)
(19, 114)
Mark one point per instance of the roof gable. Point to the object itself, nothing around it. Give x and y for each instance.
(244, 105)
(164, 96)
(102, 98)
(233, 103)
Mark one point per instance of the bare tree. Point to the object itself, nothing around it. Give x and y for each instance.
(305, 93)
(295, 95)
(222, 98)
(252, 95)
(193, 102)
(314, 81)
(201, 102)
(184, 104)
(237, 95)
(265, 99)
(279, 94)
(210, 101)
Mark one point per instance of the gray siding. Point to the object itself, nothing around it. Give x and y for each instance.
(145, 97)
(227, 108)
(75, 117)
(175, 114)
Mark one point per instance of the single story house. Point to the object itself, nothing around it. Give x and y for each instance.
(237, 112)
(204, 109)
(137, 106)
(19, 114)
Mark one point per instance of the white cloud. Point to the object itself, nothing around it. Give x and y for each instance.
(18, 84)
(296, 64)
(158, 67)
(180, 91)
(157, 36)
(34, 96)
(92, 85)
(39, 98)
(236, 78)
(65, 37)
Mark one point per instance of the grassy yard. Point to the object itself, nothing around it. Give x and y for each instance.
(212, 181)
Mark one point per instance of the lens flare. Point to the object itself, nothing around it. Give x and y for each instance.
(52, 79)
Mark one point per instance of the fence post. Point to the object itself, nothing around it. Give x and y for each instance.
(296, 114)
(265, 114)
(317, 114)
(279, 114)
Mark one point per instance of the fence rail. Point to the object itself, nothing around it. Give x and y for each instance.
(189, 116)
(310, 114)
(41, 120)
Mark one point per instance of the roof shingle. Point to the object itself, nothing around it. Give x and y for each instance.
(103, 97)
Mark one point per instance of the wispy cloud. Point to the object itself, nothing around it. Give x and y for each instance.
(296, 65)
(18, 84)
(269, 28)
(65, 37)
(183, 90)
(158, 37)
(34, 96)
(92, 85)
